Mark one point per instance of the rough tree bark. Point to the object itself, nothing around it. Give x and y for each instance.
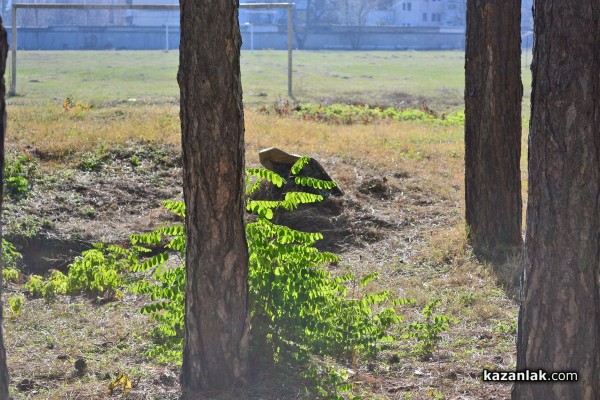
(493, 94)
(212, 122)
(4, 381)
(559, 320)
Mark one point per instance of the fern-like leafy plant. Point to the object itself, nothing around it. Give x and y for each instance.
(428, 332)
(297, 308)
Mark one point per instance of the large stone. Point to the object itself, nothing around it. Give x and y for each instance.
(280, 162)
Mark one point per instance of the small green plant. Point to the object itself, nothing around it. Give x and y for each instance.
(10, 255)
(411, 154)
(436, 394)
(26, 226)
(18, 170)
(49, 288)
(35, 285)
(95, 272)
(89, 212)
(93, 161)
(506, 328)
(467, 298)
(332, 382)
(10, 274)
(16, 305)
(90, 162)
(135, 161)
(427, 333)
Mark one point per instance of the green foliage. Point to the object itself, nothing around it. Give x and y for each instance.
(332, 383)
(10, 274)
(16, 305)
(509, 328)
(314, 183)
(89, 212)
(427, 333)
(96, 272)
(35, 285)
(49, 288)
(10, 255)
(18, 170)
(10, 259)
(92, 161)
(297, 308)
(298, 165)
(135, 161)
(262, 173)
(352, 114)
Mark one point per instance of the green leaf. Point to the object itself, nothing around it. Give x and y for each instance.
(298, 165)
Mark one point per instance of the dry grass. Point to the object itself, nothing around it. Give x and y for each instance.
(53, 132)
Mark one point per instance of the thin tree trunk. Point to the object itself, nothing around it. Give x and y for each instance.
(4, 381)
(560, 311)
(216, 304)
(493, 96)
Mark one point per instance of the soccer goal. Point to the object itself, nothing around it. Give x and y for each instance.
(141, 7)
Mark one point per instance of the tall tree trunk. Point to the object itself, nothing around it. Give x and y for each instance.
(560, 311)
(212, 123)
(493, 96)
(4, 381)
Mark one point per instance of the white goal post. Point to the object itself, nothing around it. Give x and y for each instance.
(16, 6)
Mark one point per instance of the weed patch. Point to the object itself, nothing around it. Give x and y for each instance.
(364, 114)
(18, 170)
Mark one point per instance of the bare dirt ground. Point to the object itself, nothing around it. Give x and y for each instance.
(387, 221)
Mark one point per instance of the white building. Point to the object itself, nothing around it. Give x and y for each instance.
(429, 12)
(153, 17)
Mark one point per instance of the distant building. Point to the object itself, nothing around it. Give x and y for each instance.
(435, 13)
(430, 13)
(152, 17)
(45, 18)
(319, 24)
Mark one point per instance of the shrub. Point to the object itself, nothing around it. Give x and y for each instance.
(427, 333)
(297, 308)
(10, 255)
(95, 272)
(352, 114)
(10, 258)
(16, 305)
(18, 169)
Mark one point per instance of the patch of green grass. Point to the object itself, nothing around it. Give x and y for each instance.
(388, 78)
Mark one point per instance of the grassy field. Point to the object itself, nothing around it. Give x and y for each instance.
(99, 169)
(399, 79)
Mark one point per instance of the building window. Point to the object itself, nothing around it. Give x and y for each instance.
(436, 17)
(408, 6)
(424, 17)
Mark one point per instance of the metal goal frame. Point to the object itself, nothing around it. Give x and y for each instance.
(16, 6)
